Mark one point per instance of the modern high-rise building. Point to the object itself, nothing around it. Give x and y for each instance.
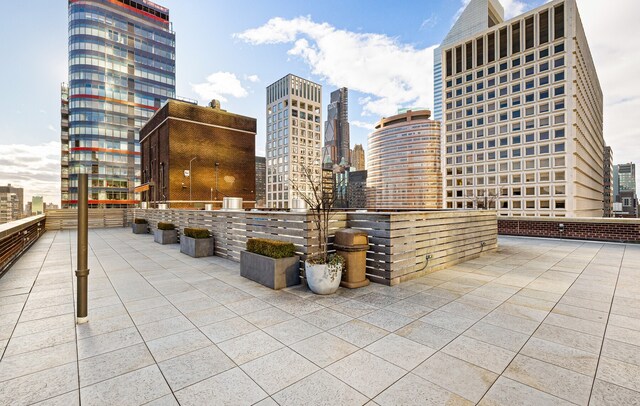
(357, 158)
(121, 70)
(261, 181)
(294, 142)
(625, 180)
(404, 162)
(523, 112)
(336, 129)
(477, 16)
(607, 193)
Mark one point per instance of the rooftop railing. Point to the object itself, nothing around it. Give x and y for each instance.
(16, 237)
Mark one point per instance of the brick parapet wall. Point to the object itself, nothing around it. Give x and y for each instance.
(599, 229)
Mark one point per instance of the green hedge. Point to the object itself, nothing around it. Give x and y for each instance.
(270, 248)
(140, 221)
(166, 226)
(197, 232)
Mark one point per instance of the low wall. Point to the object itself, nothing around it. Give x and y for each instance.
(399, 243)
(16, 237)
(599, 229)
(67, 219)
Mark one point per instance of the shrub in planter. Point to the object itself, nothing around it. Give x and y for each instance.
(139, 226)
(165, 234)
(271, 263)
(270, 248)
(196, 242)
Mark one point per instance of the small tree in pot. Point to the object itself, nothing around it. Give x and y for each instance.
(139, 226)
(196, 242)
(323, 271)
(166, 233)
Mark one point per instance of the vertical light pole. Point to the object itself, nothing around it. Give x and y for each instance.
(190, 177)
(216, 167)
(82, 273)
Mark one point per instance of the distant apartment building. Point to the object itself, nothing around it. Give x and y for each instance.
(477, 16)
(294, 138)
(607, 193)
(404, 162)
(37, 205)
(625, 181)
(121, 70)
(11, 203)
(523, 112)
(357, 158)
(336, 129)
(261, 181)
(192, 155)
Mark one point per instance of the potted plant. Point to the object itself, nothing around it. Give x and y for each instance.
(166, 233)
(139, 226)
(271, 263)
(196, 242)
(323, 271)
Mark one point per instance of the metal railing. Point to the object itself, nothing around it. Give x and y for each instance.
(16, 237)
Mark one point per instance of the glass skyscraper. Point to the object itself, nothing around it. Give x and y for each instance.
(121, 70)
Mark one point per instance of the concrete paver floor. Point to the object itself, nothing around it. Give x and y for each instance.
(538, 322)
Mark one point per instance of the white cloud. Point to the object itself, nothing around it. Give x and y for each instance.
(51, 128)
(36, 168)
(252, 78)
(362, 124)
(393, 74)
(220, 85)
(610, 32)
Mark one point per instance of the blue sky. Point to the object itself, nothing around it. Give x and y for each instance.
(381, 50)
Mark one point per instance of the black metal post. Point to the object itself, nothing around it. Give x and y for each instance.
(82, 273)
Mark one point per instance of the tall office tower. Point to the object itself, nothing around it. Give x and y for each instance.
(404, 162)
(336, 129)
(607, 193)
(357, 158)
(627, 191)
(523, 117)
(476, 18)
(121, 70)
(293, 138)
(261, 181)
(14, 198)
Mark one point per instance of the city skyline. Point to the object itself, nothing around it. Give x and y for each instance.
(296, 37)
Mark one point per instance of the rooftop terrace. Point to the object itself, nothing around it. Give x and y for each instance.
(537, 322)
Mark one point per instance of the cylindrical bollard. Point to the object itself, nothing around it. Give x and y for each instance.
(82, 274)
(352, 245)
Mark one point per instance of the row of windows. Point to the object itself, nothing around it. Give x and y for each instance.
(504, 141)
(510, 204)
(508, 40)
(155, 49)
(542, 149)
(103, 157)
(103, 169)
(516, 165)
(513, 67)
(516, 84)
(516, 178)
(107, 132)
(95, 15)
(140, 113)
(542, 108)
(506, 154)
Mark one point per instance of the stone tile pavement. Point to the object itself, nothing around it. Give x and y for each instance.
(538, 322)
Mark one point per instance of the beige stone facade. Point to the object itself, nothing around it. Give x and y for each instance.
(523, 112)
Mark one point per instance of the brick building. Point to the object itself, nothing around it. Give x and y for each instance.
(192, 155)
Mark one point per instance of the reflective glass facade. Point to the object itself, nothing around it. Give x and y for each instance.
(121, 70)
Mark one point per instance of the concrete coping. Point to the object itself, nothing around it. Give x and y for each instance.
(589, 220)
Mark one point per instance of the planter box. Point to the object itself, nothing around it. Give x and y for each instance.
(140, 228)
(273, 273)
(196, 247)
(165, 236)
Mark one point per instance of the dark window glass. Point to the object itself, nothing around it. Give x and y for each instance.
(558, 21)
(479, 52)
(529, 39)
(468, 50)
(503, 42)
(491, 47)
(544, 27)
(515, 38)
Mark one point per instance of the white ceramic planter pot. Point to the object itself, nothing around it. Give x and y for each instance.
(323, 279)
